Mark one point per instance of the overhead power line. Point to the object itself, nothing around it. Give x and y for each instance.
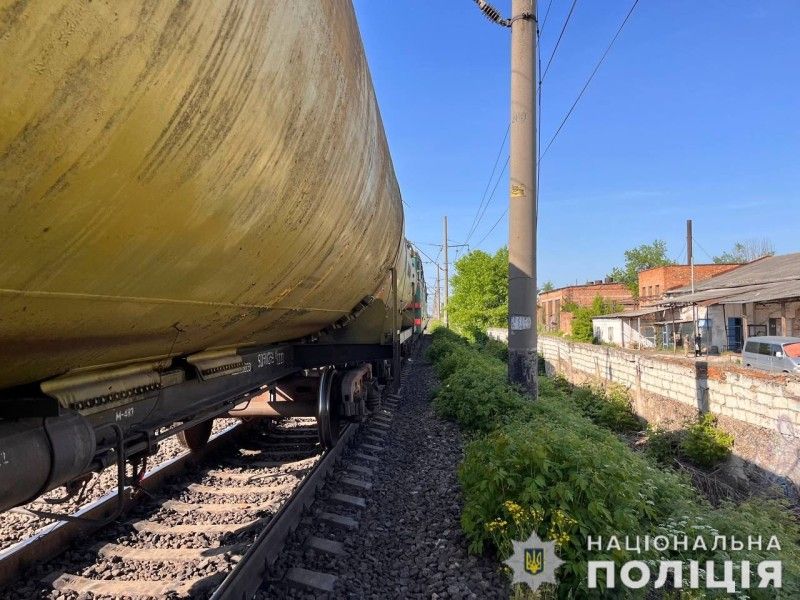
(694, 239)
(496, 223)
(588, 81)
(488, 183)
(546, 14)
(539, 111)
(679, 260)
(425, 254)
(488, 200)
(558, 41)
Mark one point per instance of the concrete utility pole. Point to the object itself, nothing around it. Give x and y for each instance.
(522, 361)
(690, 258)
(436, 298)
(446, 278)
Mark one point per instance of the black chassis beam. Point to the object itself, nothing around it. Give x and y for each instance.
(201, 396)
(212, 397)
(197, 397)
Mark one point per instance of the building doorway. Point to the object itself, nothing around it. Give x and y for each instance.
(774, 326)
(734, 333)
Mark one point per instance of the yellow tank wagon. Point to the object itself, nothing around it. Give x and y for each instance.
(184, 176)
(197, 205)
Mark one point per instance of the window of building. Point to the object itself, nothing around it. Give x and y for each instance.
(658, 290)
(641, 292)
(649, 290)
(610, 334)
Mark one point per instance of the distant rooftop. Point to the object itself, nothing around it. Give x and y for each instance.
(595, 283)
(685, 266)
(631, 313)
(764, 279)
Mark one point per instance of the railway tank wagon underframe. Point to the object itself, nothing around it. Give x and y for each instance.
(199, 217)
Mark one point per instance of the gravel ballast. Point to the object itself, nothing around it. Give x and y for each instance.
(16, 527)
(238, 476)
(408, 543)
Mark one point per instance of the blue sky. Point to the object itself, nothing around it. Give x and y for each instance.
(694, 114)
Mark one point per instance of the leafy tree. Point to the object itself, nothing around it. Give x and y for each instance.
(646, 256)
(746, 251)
(480, 291)
(548, 286)
(582, 316)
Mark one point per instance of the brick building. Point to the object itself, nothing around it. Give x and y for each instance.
(654, 283)
(761, 297)
(552, 317)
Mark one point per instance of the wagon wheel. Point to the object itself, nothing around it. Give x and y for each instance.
(196, 437)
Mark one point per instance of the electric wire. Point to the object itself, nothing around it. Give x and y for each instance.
(476, 219)
(425, 254)
(588, 81)
(538, 118)
(496, 223)
(558, 41)
(538, 121)
(694, 241)
(494, 189)
(546, 14)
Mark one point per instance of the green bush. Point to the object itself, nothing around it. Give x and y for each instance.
(475, 400)
(558, 474)
(555, 467)
(663, 445)
(495, 349)
(608, 408)
(755, 517)
(706, 444)
(453, 359)
(582, 328)
(443, 342)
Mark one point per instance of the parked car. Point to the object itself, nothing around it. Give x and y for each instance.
(772, 353)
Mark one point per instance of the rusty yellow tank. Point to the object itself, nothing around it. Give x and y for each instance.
(181, 176)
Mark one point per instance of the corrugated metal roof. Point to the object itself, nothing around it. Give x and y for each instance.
(631, 313)
(785, 267)
(773, 291)
(715, 294)
(764, 280)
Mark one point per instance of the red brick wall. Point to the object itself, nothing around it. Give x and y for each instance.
(584, 295)
(654, 282)
(565, 323)
(552, 303)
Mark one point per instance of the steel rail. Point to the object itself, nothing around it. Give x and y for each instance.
(250, 572)
(51, 540)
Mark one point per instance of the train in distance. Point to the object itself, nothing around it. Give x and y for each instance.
(200, 218)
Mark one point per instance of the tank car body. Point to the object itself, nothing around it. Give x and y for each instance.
(178, 176)
(196, 200)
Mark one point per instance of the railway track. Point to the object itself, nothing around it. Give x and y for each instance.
(21, 526)
(210, 531)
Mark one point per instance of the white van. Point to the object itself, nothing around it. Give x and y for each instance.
(772, 353)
